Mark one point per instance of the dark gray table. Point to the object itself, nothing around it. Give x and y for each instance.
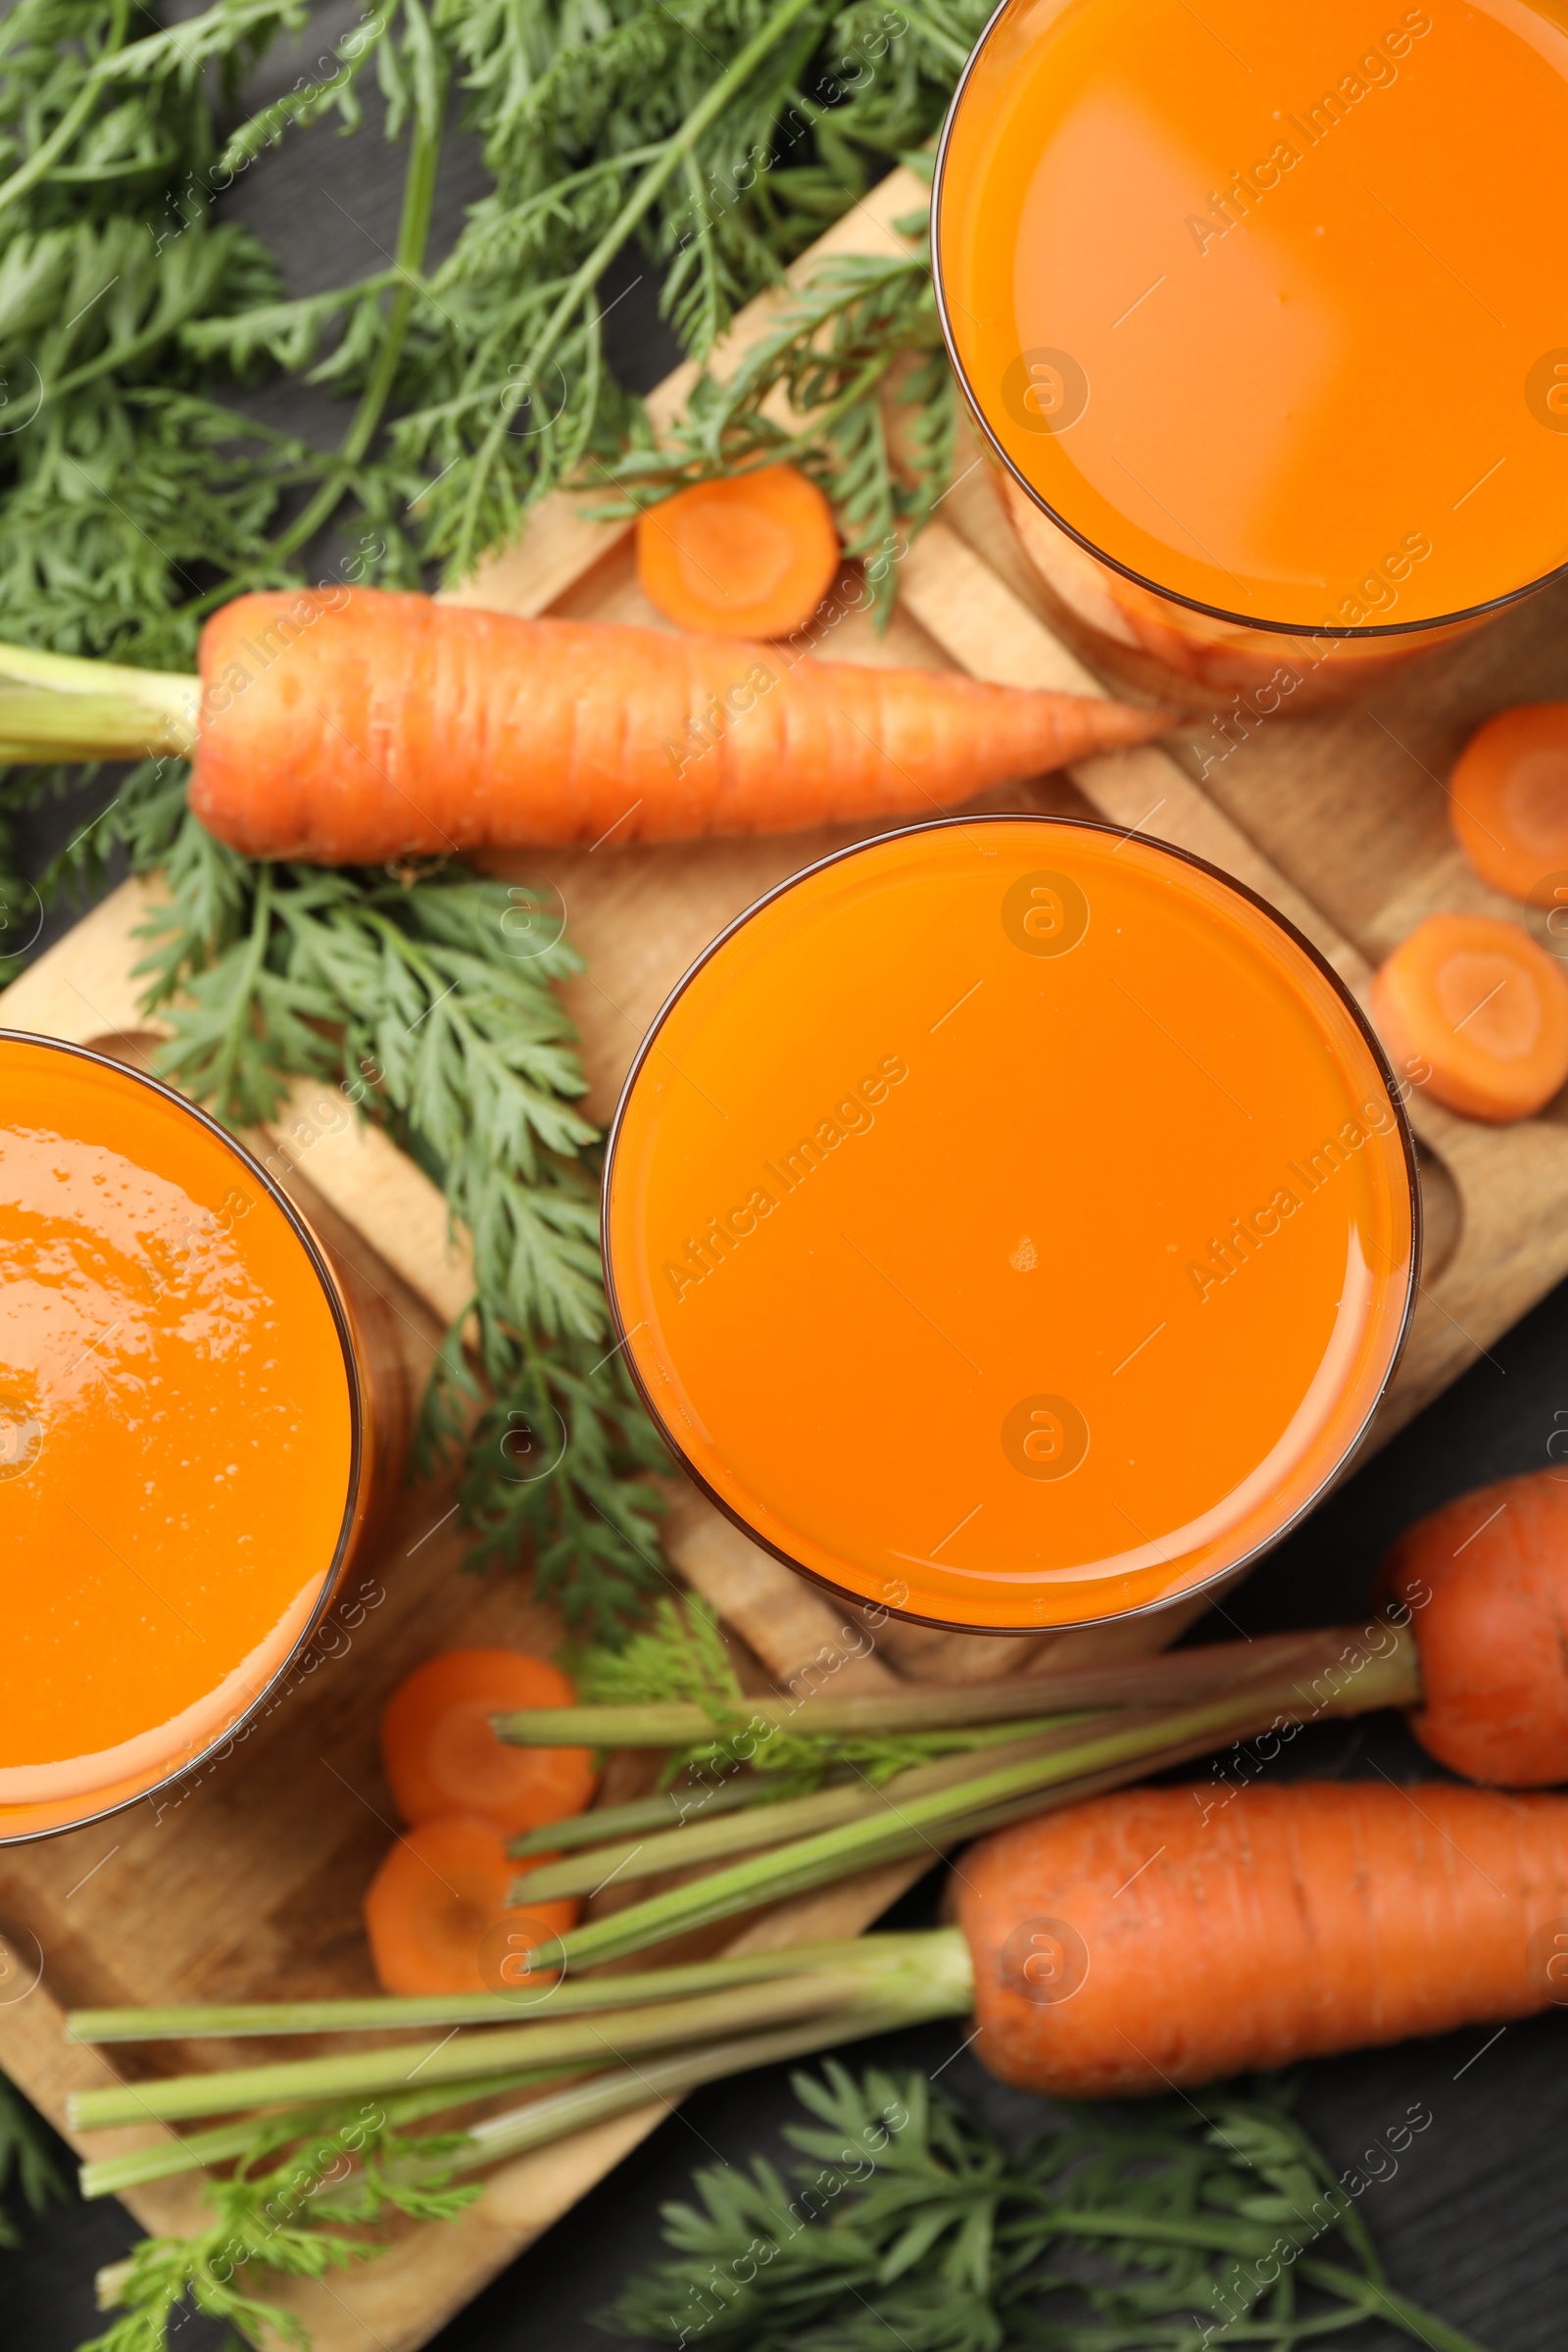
(1471, 2224)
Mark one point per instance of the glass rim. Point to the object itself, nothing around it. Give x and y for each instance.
(332, 1290)
(1338, 988)
(1356, 633)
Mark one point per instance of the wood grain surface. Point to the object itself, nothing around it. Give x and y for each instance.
(245, 1880)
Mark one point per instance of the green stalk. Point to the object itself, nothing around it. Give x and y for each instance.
(1037, 1802)
(38, 164)
(291, 2081)
(1381, 2302)
(937, 1980)
(671, 1809)
(414, 235)
(1292, 1661)
(1209, 2234)
(249, 972)
(630, 216)
(668, 2077)
(934, 1819)
(193, 2151)
(386, 2013)
(779, 1824)
(59, 707)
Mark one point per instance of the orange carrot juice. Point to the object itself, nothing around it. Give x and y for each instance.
(1010, 1223)
(1259, 308)
(178, 1434)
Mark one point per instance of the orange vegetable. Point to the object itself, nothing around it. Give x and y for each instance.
(1486, 1580)
(352, 726)
(441, 1755)
(1290, 1922)
(1484, 1008)
(437, 1915)
(1508, 797)
(751, 555)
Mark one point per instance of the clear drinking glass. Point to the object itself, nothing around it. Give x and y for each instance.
(1256, 309)
(1012, 1223)
(198, 1427)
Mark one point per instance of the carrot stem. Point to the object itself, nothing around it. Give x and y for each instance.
(380, 2015)
(43, 158)
(632, 211)
(668, 2077)
(857, 1982)
(408, 262)
(1173, 1680)
(59, 707)
(672, 1809)
(191, 2151)
(778, 1824)
(947, 1814)
(1381, 2302)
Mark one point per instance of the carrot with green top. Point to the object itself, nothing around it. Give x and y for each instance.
(1143, 1938)
(355, 726)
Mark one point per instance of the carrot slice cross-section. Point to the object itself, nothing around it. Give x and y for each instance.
(751, 555)
(1508, 795)
(1483, 1008)
(437, 1915)
(441, 1756)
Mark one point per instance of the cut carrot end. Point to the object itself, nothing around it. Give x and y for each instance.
(1477, 1013)
(441, 1755)
(437, 1916)
(1508, 795)
(752, 555)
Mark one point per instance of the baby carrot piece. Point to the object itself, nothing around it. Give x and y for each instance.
(1168, 1936)
(1484, 1008)
(1508, 797)
(352, 726)
(1486, 1581)
(752, 555)
(437, 1915)
(441, 1755)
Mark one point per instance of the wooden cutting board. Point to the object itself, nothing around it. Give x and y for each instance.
(245, 1882)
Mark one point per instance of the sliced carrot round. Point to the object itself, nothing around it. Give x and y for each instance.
(1471, 1009)
(1508, 794)
(752, 555)
(441, 1755)
(437, 1915)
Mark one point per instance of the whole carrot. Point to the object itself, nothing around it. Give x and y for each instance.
(1155, 1938)
(1138, 1940)
(1486, 1581)
(353, 726)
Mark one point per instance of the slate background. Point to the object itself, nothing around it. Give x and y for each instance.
(1472, 2224)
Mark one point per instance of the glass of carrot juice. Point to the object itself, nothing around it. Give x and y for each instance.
(1258, 310)
(1012, 1223)
(184, 1432)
